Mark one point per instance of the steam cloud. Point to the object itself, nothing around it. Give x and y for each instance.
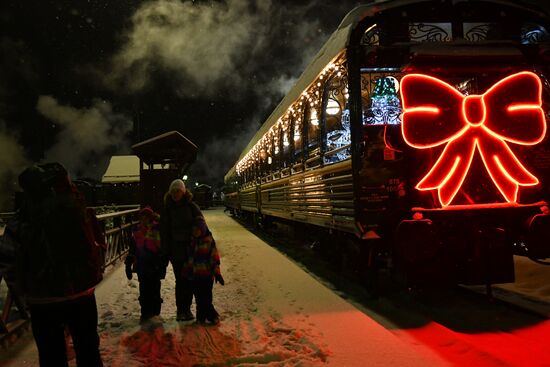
(87, 137)
(215, 45)
(211, 47)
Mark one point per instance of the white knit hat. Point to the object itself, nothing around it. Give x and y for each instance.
(177, 185)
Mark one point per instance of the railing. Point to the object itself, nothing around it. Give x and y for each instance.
(117, 228)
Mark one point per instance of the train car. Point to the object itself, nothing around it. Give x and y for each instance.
(203, 195)
(418, 134)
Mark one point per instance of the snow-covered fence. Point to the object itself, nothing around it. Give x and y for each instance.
(117, 227)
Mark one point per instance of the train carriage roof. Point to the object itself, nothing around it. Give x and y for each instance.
(335, 45)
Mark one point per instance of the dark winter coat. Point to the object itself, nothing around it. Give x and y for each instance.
(176, 222)
(59, 253)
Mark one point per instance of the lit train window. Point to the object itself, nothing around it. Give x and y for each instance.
(311, 118)
(381, 102)
(297, 139)
(337, 122)
(285, 158)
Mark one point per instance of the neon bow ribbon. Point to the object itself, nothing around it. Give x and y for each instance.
(435, 113)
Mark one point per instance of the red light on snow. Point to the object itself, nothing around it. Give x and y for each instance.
(435, 113)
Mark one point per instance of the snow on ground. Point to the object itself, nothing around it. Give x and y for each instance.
(272, 312)
(532, 279)
(275, 314)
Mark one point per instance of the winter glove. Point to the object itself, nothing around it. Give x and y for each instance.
(129, 261)
(219, 279)
(129, 271)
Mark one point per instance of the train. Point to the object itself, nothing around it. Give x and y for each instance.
(415, 140)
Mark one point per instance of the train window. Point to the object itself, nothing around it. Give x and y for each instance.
(264, 167)
(311, 119)
(269, 152)
(381, 102)
(277, 148)
(297, 138)
(337, 122)
(285, 158)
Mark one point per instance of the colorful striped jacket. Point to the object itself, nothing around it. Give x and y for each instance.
(204, 258)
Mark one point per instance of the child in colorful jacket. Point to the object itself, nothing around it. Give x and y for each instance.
(203, 268)
(145, 260)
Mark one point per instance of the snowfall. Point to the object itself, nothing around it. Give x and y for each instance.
(275, 313)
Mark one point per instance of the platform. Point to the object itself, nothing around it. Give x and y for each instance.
(272, 312)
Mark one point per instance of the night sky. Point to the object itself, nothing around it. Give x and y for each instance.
(83, 80)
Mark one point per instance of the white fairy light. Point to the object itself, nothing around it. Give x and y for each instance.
(314, 120)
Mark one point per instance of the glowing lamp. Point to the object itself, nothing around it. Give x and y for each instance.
(435, 113)
(333, 107)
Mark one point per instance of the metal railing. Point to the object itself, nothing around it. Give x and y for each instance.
(117, 228)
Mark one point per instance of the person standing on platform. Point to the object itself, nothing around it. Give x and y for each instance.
(176, 222)
(144, 259)
(203, 269)
(58, 263)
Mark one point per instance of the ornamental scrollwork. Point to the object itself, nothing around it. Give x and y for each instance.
(429, 32)
(476, 32)
(371, 37)
(533, 33)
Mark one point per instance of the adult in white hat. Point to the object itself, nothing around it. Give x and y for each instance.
(176, 224)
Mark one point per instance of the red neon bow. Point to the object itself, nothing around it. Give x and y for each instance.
(510, 111)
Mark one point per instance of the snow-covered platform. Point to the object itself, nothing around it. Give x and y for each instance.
(273, 313)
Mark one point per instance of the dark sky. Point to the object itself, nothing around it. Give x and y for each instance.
(81, 80)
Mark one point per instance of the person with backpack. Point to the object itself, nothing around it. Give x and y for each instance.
(58, 264)
(176, 221)
(145, 260)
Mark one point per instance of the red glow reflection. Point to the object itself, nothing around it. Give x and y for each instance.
(435, 113)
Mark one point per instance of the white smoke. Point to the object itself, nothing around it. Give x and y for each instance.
(87, 137)
(229, 49)
(197, 42)
(208, 47)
